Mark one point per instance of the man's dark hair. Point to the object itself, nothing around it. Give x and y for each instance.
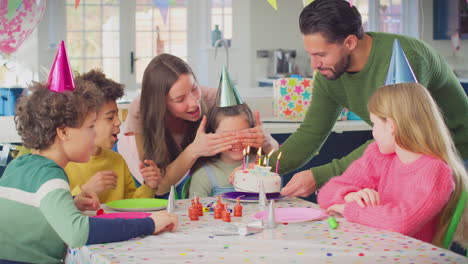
(334, 19)
(112, 90)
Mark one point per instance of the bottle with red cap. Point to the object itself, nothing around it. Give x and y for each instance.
(238, 208)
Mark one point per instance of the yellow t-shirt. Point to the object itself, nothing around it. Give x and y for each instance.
(80, 173)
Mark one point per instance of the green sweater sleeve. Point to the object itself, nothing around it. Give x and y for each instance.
(60, 211)
(304, 144)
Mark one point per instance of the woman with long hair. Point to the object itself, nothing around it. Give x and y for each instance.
(168, 123)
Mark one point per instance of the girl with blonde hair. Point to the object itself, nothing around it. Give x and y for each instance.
(411, 178)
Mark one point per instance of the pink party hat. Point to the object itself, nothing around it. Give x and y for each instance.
(61, 76)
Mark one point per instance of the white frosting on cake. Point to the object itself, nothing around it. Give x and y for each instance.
(249, 180)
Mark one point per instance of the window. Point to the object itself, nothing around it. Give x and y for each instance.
(392, 16)
(98, 34)
(154, 37)
(221, 15)
(93, 34)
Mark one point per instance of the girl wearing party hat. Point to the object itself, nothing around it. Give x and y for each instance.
(411, 178)
(230, 114)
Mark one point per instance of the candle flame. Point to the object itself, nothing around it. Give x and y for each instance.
(279, 155)
(248, 149)
(259, 152)
(271, 152)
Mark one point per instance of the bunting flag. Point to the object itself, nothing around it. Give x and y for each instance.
(307, 2)
(163, 6)
(350, 3)
(12, 7)
(77, 3)
(273, 4)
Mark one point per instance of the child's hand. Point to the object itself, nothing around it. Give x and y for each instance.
(164, 221)
(251, 165)
(336, 208)
(364, 197)
(254, 136)
(206, 145)
(100, 182)
(86, 201)
(151, 174)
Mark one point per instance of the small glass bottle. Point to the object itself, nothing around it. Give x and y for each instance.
(215, 36)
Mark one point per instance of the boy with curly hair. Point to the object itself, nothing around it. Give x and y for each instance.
(106, 174)
(40, 215)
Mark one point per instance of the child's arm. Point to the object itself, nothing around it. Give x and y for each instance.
(361, 174)
(76, 229)
(200, 184)
(421, 200)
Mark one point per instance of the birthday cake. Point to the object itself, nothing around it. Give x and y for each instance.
(249, 180)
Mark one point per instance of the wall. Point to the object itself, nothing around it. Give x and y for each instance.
(458, 60)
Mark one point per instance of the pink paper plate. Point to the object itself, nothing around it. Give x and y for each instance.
(129, 215)
(293, 214)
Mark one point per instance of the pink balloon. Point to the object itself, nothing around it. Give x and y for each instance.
(26, 18)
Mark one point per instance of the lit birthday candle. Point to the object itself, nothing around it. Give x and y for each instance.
(243, 159)
(259, 156)
(247, 157)
(277, 162)
(269, 154)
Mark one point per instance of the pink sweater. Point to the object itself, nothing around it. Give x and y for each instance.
(411, 195)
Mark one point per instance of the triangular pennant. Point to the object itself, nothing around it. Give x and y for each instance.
(307, 2)
(12, 7)
(227, 94)
(77, 3)
(273, 4)
(163, 6)
(399, 69)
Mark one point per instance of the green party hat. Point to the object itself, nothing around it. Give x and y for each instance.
(227, 94)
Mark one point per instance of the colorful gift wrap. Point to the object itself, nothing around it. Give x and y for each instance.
(292, 97)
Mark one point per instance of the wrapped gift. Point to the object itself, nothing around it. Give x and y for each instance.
(292, 97)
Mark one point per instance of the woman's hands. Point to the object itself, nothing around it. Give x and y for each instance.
(206, 145)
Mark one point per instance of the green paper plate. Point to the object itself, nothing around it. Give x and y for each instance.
(138, 205)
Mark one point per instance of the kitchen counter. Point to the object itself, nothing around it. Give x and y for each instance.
(274, 126)
(8, 132)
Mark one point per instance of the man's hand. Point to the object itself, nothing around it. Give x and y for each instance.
(86, 202)
(100, 182)
(364, 197)
(151, 174)
(302, 184)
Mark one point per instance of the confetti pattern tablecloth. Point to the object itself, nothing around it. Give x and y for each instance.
(306, 242)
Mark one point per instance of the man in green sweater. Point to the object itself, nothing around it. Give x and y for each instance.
(352, 64)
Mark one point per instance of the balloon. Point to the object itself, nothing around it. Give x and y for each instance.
(13, 32)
